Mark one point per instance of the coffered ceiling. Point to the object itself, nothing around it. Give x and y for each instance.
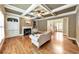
(13, 11)
(53, 6)
(38, 11)
(22, 6)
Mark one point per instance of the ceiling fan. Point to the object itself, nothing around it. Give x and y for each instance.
(39, 13)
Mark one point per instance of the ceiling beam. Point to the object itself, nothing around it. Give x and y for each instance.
(8, 13)
(63, 7)
(64, 14)
(31, 14)
(33, 6)
(77, 8)
(14, 8)
(44, 7)
(47, 8)
(59, 9)
(61, 15)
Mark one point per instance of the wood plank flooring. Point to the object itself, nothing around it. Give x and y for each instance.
(23, 45)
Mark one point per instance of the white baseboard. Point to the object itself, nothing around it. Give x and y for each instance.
(14, 36)
(65, 34)
(77, 42)
(71, 38)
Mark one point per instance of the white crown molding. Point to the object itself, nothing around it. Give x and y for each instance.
(63, 7)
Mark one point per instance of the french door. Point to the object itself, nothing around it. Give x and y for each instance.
(55, 24)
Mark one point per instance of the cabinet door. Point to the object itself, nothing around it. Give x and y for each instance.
(12, 33)
(12, 26)
(9, 26)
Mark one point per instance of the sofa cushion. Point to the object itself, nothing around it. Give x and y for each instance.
(35, 37)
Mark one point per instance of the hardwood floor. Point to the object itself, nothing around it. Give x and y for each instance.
(23, 45)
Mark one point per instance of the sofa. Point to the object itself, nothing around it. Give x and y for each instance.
(40, 39)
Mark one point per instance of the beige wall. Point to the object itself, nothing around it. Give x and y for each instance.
(69, 25)
(42, 25)
(77, 24)
(24, 24)
(72, 26)
(65, 26)
(5, 25)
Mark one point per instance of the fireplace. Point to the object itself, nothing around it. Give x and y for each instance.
(27, 31)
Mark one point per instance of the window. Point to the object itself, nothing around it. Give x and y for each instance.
(1, 26)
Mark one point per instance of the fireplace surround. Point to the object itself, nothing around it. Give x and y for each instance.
(26, 30)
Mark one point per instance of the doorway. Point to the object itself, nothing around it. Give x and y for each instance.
(55, 25)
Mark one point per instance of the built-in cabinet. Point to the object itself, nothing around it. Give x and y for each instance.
(12, 26)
